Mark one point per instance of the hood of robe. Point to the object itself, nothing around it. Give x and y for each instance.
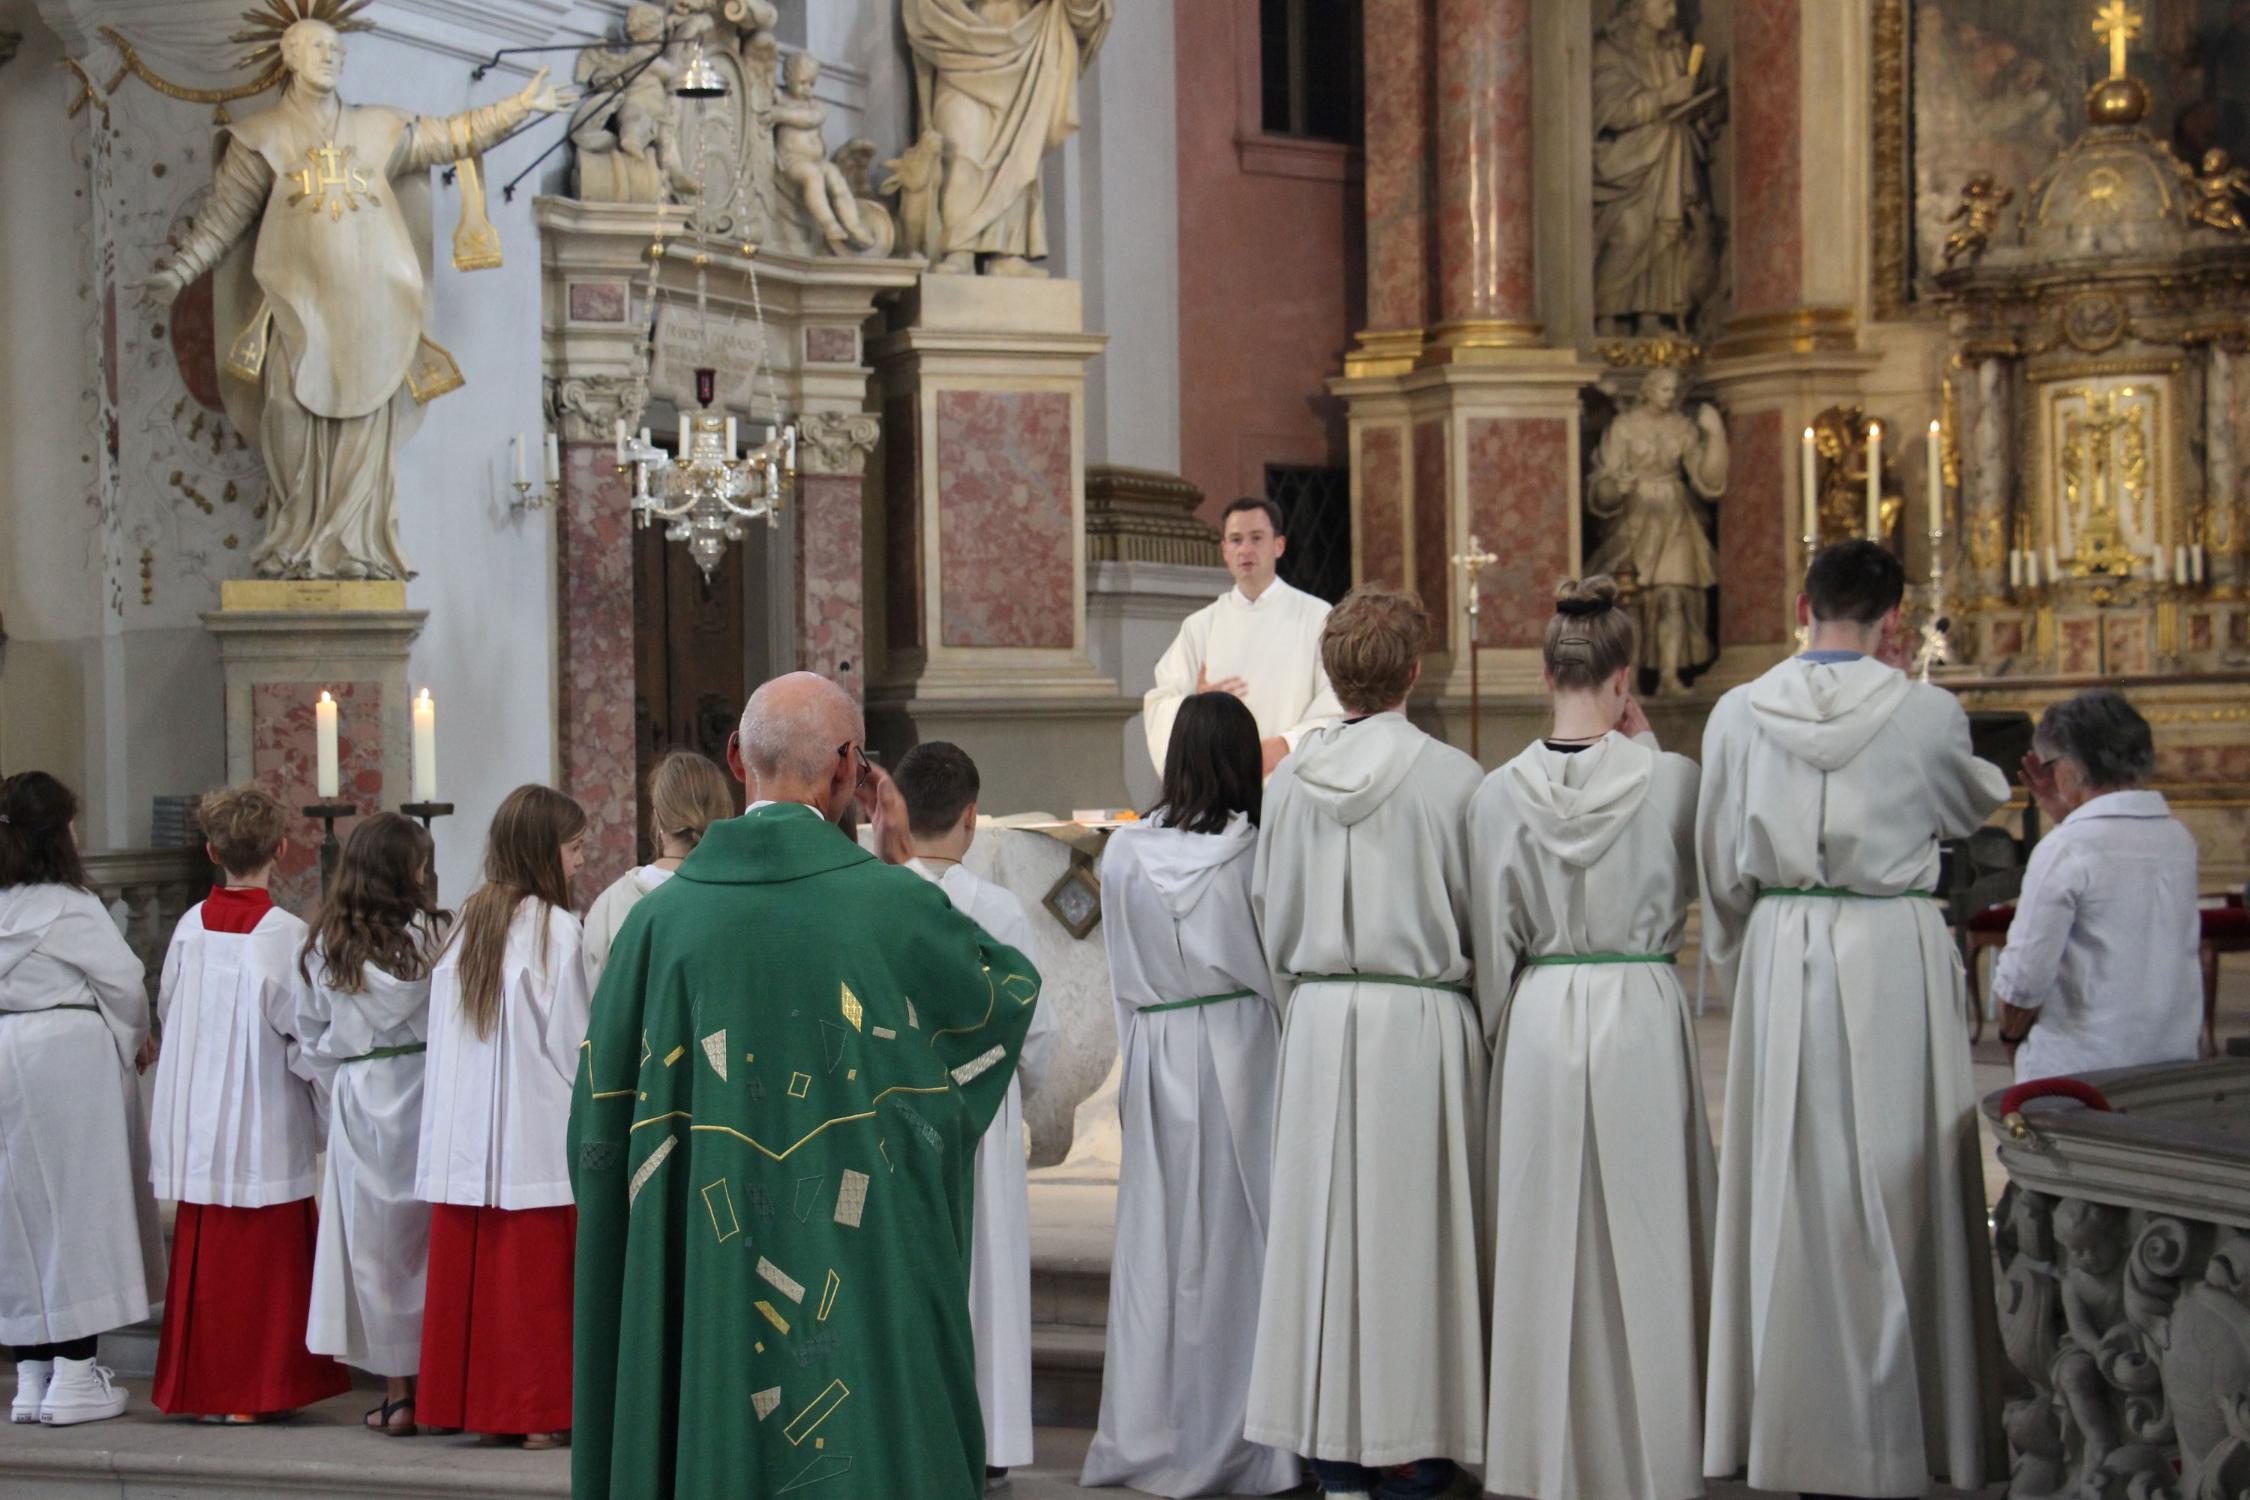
(1182, 865)
(1349, 770)
(1578, 822)
(1824, 713)
(26, 912)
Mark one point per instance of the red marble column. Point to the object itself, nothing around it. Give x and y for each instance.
(1397, 134)
(1484, 188)
(594, 646)
(1768, 223)
(830, 560)
(1381, 551)
(1518, 473)
(1756, 555)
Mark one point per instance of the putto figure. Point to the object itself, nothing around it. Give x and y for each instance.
(801, 157)
(2219, 189)
(1980, 205)
(318, 223)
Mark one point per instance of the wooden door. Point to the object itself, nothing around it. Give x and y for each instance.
(691, 648)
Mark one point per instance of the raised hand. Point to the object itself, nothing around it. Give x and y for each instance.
(542, 97)
(885, 808)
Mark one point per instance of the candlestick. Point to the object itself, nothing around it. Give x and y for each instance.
(1874, 481)
(324, 742)
(424, 811)
(1809, 484)
(554, 459)
(331, 848)
(425, 748)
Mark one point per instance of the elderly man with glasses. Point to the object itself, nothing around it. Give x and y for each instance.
(2100, 967)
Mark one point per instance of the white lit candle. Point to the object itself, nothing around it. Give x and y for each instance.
(2182, 564)
(425, 748)
(1875, 481)
(730, 437)
(1808, 482)
(2015, 569)
(324, 744)
(645, 443)
(2156, 564)
(621, 442)
(687, 435)
(2030, 567)
(554, 459)
(1936, 453)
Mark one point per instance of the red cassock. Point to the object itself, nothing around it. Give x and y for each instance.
(234, 1314)
(496, 1319)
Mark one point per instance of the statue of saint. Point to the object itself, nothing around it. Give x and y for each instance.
(1652, 463)
(326, 304)
(998, 81)
(1656, 257)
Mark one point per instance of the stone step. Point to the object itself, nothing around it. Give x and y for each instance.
(1066, 1375)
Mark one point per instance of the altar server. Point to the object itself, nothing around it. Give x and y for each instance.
(233, 1138)
(1852, 1340)
(1371, 1322)
(80, 1249)
(363, 1006)
(1260, 641)
(508, 1012)
(1583, 849)
(687, 793)
(940, 785)
(1201, 1047)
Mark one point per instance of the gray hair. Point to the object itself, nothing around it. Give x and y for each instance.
(792, 725)
(2105, 735)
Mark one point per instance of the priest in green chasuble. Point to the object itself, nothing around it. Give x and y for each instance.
(794, 1051)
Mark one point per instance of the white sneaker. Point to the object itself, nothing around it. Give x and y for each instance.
(81, 1391)
(32, 1376)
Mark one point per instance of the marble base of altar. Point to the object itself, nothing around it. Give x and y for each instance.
(277, 663)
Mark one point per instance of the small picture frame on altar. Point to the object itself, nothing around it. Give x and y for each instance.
(1076, 899)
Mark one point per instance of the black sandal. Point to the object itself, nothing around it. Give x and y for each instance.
(379, 1420)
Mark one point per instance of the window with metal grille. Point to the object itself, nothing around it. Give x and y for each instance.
(1316, 514)
(1308, 56)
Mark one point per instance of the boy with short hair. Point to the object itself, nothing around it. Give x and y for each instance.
(232, 1139)
(941, 785)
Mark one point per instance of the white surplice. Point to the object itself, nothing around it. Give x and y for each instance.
(1195, 1100)
(236, 1122)
(1000, 1230)
(495, 1108)
(1603, 1178)
(1371, 1323)
(1853, 1348)
(1272, 644)
(374, 1240)
(80, 1247)
(606, 917)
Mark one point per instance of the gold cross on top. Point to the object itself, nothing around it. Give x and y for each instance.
(1471, 563)
(2117, 23)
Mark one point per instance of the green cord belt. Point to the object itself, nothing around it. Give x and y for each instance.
(1556, 960)
(1402, 980)
(97, 1010)
(1201, 1000)
(1843, 893)
(382, 1052)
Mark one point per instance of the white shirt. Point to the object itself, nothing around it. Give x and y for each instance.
(1272, 643)
(606, 917)
(2104, 941)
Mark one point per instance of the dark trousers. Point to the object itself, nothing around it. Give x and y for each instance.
(1421, 1480)
(74, 1349)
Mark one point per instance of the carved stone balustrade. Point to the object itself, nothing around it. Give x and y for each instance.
(147, 891)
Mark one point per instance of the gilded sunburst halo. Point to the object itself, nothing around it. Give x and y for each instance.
(265, 24)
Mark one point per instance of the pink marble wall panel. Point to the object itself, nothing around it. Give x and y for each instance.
(1768, 223)
(284, 760)
(1519, 507)
(2080, 652)
(1397, 113)
(831, 346)
(831, 637)
(1754, 569)
(1484, 190)
(1005, 563)
(594, 563)
(902, 524)
(2225, 763)
(1433, 574)
(597, 301)
(1382, 506)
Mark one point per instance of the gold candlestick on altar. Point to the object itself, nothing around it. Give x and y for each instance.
(1471, 563)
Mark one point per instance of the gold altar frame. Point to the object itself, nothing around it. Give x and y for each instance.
(2167, 435)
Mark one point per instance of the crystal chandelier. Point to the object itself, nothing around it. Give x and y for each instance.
(706, 492)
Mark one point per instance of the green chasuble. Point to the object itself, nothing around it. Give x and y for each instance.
(794, 1051)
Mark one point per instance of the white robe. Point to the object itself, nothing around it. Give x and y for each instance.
(374, 1240)
(1273, 645)
(1603, 1178)
(236, 1122)
(495, 1109)
(1196, 1102)
(606, 917)
(1000, 1229)
(1371, 1323)
(1853, 1348)
(80, 1248)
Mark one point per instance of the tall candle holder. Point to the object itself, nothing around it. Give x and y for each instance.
(331, 848)
(426, 813)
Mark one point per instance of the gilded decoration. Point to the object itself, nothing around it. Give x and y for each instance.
(1840, 469)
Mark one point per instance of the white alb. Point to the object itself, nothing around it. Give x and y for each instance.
(1272, 643)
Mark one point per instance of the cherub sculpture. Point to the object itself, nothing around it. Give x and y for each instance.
(2218, 187)
(801, 158)
(1980, 205)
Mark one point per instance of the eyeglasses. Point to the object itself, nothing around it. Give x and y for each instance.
(866, 769)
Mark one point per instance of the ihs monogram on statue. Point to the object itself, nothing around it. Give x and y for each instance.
(318, 230)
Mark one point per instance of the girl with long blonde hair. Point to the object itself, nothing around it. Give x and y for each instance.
(687, 793)
(508, 1009)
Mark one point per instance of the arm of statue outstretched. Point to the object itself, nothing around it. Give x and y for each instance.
(238, 196)
(439, 140)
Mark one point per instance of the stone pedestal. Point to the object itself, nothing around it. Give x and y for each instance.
(983, 507)
(278, 661)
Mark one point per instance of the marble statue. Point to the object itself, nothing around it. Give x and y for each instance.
(626, 131)
(2218, 189)
(1651, 464)
(998, 81)
(318, 229)
(801, 158)
(1655, 113)
(1978, 214)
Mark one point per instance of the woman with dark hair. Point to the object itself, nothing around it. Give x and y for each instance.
(1201, 1046)
(80, 1251)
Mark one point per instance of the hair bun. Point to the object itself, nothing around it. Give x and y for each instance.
(1586, 597)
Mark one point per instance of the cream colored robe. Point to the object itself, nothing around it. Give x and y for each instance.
(1603, 1178)
(1371, 1324)
(1272, 644)
(1853, 1348)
